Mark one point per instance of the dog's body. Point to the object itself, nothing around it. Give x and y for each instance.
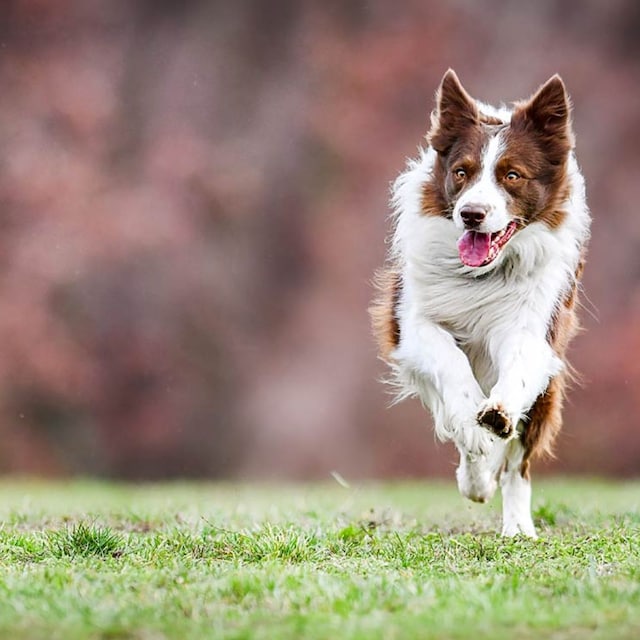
(476, 305)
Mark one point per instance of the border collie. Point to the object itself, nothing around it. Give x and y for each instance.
(476, 304)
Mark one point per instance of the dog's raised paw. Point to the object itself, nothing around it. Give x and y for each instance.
(495, 419)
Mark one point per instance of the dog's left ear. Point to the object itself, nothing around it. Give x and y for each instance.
(547, 114)
(456, 111)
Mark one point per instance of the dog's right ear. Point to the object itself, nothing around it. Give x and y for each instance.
(455, 112)
(547, 115)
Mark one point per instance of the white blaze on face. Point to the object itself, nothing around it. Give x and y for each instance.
(481, 243)
(485, 192)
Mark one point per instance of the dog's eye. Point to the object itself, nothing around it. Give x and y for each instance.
(511, 176)
(460, 173)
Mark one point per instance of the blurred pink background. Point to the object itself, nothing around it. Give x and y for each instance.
(193, 199)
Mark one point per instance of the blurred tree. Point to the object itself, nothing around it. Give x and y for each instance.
(193, 200)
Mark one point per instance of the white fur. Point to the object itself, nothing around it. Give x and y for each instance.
(516, 495)
(473, 338)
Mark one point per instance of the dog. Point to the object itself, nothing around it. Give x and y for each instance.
(476, 304)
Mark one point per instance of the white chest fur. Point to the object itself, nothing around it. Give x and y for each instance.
(482, 309)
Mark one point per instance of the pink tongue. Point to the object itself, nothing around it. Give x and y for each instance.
(473, 248)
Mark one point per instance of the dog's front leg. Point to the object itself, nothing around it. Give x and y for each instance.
(525, 364)
(446, 383)
(516, 494)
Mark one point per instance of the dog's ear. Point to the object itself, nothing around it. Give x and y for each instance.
(547, 115)
(456, 111)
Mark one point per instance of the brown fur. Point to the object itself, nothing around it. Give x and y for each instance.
(455, 115)
(434, 198)
(490, 120)
(538, 143)
(384, 318)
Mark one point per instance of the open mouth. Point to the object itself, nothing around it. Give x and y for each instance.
(478, 249)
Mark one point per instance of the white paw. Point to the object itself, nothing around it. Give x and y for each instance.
(512, 528)
(476, 478)
(476, 441)
(465, 432)
(470, 437)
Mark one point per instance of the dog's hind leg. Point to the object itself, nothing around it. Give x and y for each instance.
(516, 493)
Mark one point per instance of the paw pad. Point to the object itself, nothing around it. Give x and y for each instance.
(496, 420)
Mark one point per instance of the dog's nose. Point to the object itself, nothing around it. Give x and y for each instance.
(473, 215)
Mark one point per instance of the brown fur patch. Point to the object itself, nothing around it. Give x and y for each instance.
(434, 198)
(441, 190)
(539, 140)
(545, 422)
(547, 114)
(553, 218)
(456, 112)
(542, 187)
(490, 120)
(383, 311)
(554, 215)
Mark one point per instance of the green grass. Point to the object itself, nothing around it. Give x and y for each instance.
(392, 561)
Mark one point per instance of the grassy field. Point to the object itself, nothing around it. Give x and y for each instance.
(91, 560)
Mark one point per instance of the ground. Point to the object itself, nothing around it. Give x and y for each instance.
(374, 561)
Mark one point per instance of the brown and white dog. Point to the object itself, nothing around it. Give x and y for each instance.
(477, 302)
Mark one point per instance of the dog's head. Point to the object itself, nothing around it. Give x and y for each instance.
(498, 171)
